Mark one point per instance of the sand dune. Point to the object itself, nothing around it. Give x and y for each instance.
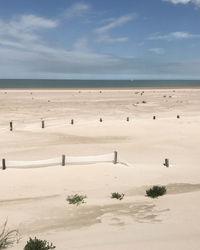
(34, 200)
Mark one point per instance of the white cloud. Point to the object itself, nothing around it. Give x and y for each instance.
(23, 53)
(103, 31)
(195, 2)
(42, 61)
(158, 51)
(32, 22)
(174, 36)
(105, 38)
(9, 43)
(23, 50)
(81, 44)
(178, 1)
(76, 10)
(25, 27)
(115, 22)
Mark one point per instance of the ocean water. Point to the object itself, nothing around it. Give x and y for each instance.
(41, 83)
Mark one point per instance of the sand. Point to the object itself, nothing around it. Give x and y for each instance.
(34, 200)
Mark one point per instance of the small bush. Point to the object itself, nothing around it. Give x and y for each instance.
(8, 237)
(76, 199)
(37, 244)
(117, 196)
(156, 191)
(144, 102)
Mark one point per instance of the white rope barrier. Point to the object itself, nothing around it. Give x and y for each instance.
(90, 159)
(32, 164)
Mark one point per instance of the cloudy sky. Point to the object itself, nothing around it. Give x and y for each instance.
(93, 39)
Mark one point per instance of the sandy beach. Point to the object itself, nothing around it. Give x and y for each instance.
(34, 200)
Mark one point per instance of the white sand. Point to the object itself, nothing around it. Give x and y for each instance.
(34, 200)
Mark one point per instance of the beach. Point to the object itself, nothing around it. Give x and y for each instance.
(34, 200)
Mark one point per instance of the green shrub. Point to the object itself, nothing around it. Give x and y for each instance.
(156, 191)
(8, 237)
(37, 244)
(117, 196)
(76, 199)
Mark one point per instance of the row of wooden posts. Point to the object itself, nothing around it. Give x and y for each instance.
(72, 121)
(63, 161)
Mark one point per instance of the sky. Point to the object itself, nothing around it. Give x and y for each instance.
(100, 39)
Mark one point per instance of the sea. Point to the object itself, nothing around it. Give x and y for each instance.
(51, 83)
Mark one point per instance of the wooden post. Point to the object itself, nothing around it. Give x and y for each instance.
(154, 117)
(63, 160)
(166, 164)
(3, 164)
(42, 123)
(127, 119)
(11, 126)
(100, 119)
(72, 121)
(115, 157)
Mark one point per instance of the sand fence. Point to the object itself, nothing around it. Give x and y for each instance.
(63, 160)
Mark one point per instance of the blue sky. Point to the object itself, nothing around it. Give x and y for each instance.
(93, 39)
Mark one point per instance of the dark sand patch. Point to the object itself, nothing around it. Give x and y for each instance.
(27, 199)
(172, 188)
(73, 217)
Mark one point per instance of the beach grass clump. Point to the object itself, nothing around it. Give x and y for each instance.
(156, 191)
(8, 237)
(117, 196)
(37, 244)
(76, 199)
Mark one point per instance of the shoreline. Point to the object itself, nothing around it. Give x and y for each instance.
(100, 89)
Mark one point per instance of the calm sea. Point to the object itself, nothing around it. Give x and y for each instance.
(27, 83)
